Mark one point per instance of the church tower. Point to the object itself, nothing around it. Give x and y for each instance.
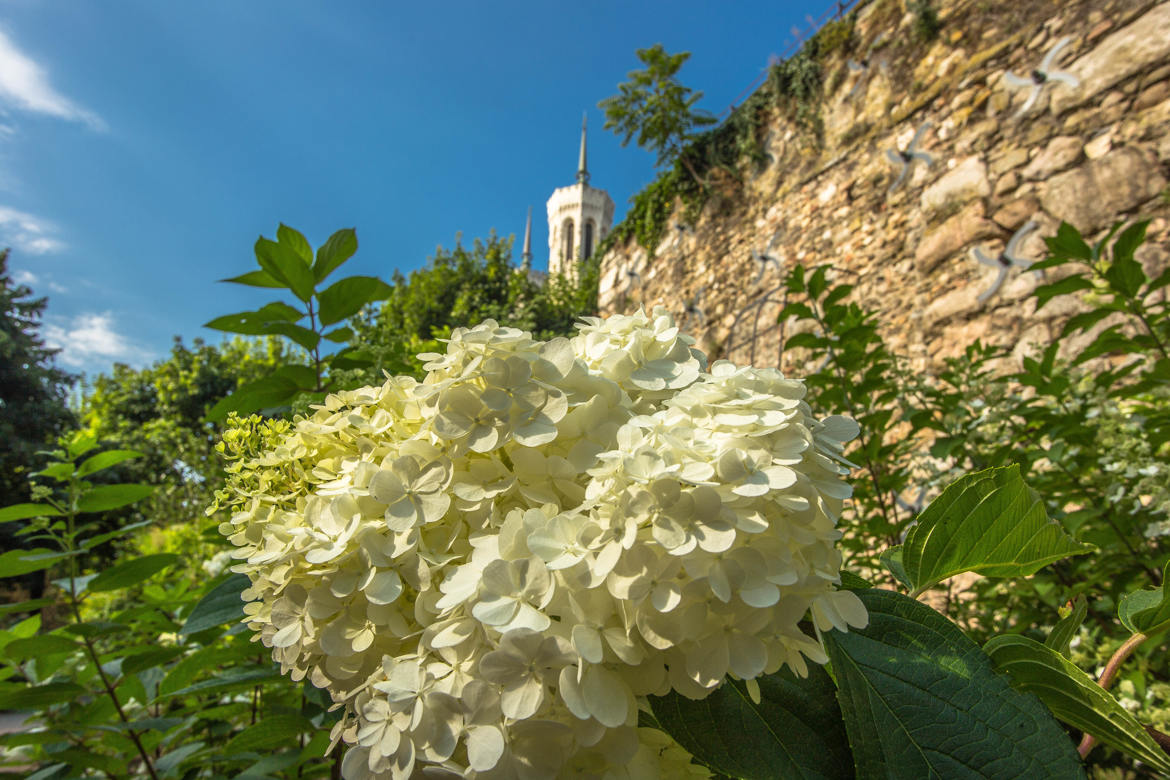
(579, 217)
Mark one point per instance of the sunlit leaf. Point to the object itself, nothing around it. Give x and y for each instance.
(920, 699)
(1067, 627)
(1147, 611)
(269, 733)
(131, 572)
(346, 296)
(103, 498)
(17, 562)
(222, 604)
(36, 697)
(282, 263)
(336, 250)
(256, 278)
(295, 240)
(1073, 696)
(987, 522)
(103, 460)
(25, 511)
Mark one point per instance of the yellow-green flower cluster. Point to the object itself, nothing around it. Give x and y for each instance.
(490, 569)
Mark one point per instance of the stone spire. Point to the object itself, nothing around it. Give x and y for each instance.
(526, 257)
(582, 168)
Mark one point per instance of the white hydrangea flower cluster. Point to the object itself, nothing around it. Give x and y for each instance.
(492, 568)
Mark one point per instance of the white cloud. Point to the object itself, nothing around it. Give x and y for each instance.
(27, 233)
(25, 277)
(89, 341)
(25, 85)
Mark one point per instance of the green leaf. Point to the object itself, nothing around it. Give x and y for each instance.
(795, 730)
(1147, 611)
(58, 471)
(339, 248)
(255, 279)
(269, 733)
(1066, 286)
(103, 460)
(274, 390)
(301, 335)
(851, 581)
(805, 340)
(1068, 243)
(44, 644)
(295, 240)
(1083, 321)
(103, 498)
(25, 511)
(1073, 696)
(892, 560)
(80, 443)
(170, 762)
(920, 700)
(339, 335)
(37, 697)
(990, 523)
(1068, 626)
(24, 606)
(351, 357)
(94, 541)
(131, 572)
(1126, 276)
(346, 296)
(1130, 239)
(222, 604)
(17, 562)
(155, 656)
(224, 683)
(282, 263)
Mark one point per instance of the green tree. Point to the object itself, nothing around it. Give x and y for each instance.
(33, 392)
(654, 106)
(462, 287)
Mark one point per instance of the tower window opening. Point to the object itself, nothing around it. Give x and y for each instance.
(588, 241)
(567, 233)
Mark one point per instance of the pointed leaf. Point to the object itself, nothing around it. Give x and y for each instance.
(269, 733)
(1073, 697)
(155, 656)
(44, 644)
(282, 263)
(37, 697)
(262, 394)
(988, 522)
(794, 731)
(16, 562)
(1130, 239)
(346, 296)
(103, 460)
(222, 604)
(302, 336)
(335, 251)
(295, 240)
(94, 541)
(892, 560)
(131, 572)
(25, 511)
(1068, 243)
(106, 497)
(1066, 286)
(851, 581)
(1147, 611)
(920, 699)
(340, 335)
(255, 279)
(1067, 627)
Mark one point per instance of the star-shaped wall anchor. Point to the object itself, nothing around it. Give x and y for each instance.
(905, 159)
(864, 70)
(1043, 75)
(1004, 260)
(767, 258)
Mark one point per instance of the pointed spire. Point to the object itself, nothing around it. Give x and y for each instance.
(582, 168)
(526, 257)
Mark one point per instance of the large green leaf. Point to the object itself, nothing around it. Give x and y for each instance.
(222, 604)
(1147, 611)
(922, 700)
(282, 263)
(131, 572)
(36, 697)
(1067, 627)
(17, 562)
(988, 522)
(103, 460)
(270, 732)
(25, 511)
(336, 250)
(255, 279)
(106, 497)
(795, 730)
(225, 683)
(42, 644)
(346, 296)
(271, 391)
(296, 241)
(1073, 697)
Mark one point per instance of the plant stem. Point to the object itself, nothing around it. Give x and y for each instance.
(316, 347)
(1111, 668)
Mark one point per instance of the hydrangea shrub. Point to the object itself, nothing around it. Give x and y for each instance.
(490, 569)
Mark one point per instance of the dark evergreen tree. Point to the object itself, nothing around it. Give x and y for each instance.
(33, 392)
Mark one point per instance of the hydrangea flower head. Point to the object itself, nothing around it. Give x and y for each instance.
(490, 570)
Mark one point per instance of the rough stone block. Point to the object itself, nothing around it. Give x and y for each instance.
(966, 181)
(951, 236)
(1098, 192)
(1061, 152)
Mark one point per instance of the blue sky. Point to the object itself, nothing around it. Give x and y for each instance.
(144, 145)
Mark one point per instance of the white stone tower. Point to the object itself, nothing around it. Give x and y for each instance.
(579, 217)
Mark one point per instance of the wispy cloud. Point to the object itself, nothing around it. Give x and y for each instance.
(26, 232)
(26, 277)
(90, 341)
(25, 85)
